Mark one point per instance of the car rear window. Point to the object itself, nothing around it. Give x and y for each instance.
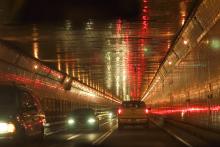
(7, 96)
(133, 104)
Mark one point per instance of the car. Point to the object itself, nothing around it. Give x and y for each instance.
(83, 118)
(133, 113)
(21, 116)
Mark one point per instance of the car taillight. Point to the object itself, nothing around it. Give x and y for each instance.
(119, 111)
(146, 111)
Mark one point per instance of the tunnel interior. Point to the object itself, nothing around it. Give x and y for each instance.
(95, 53)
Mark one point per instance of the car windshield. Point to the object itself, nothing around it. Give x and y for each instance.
(81, 112)
(135, 104)
(7, 96)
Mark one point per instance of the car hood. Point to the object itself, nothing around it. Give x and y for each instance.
(6, 113)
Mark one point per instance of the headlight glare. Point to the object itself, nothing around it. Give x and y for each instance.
(110, 115)
(71, 121)
(91, 120)
(6, 128)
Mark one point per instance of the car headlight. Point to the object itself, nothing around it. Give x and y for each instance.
(91, 120)
(6, 128)
(71, 121)
(110, 115)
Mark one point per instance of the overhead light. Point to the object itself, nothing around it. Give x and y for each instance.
(170, 62)
(185, 42)
(67, 80)
(35, 66)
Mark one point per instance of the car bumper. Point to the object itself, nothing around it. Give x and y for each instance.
(82, 126)
(7, 137)
(133, 121)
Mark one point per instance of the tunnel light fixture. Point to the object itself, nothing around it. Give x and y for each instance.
(185, 42)
(67, 80)
(170, 63)
(35, 67)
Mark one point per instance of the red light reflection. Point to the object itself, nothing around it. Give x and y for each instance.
(191, 109)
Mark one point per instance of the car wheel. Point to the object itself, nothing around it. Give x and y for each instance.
(20, 136)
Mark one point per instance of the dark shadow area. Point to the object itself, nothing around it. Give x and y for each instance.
(56, 10)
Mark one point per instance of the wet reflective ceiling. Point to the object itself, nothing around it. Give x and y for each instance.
(116, 45)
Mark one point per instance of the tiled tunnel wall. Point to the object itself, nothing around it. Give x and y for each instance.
(187, 86)
(46, 84)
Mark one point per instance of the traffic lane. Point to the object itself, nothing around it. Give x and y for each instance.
(141, 137)
(70, 138)
(84, 138)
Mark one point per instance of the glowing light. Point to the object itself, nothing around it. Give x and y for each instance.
(36, 50)
(6, 128)
(170, 63)
(35, 67)
(67, 68)
(89, 25)
(185, 42)
(67, 80)
(71, 121)
(215, 44)
(144, 18)
(91, 120)
(146, 49)
(108, 70)
(35, 39)
(146, 111)
(119, 111)
(182, 21)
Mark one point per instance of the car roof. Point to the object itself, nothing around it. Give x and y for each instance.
(84, 109)
(134, 101)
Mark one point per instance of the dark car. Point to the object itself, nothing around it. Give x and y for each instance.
(83, 118)
(20, 114)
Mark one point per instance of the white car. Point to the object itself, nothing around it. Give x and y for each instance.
(133, 113)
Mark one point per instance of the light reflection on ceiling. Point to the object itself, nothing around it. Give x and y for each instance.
(118, 55)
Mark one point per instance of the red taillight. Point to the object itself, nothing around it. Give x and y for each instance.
(119, 111)
(146, 111)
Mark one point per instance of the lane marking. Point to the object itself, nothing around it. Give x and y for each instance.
(73, 137)
(104, 136)
(178, 138)
(173, 134)
(54, 132)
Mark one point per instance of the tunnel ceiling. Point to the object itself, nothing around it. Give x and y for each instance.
(115, 45)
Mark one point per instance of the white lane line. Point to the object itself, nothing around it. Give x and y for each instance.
(178, 138)
(54, 132)
(104, 136)
(73, 137)
(174, 135)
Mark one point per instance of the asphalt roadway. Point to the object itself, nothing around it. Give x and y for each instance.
(107, 136)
